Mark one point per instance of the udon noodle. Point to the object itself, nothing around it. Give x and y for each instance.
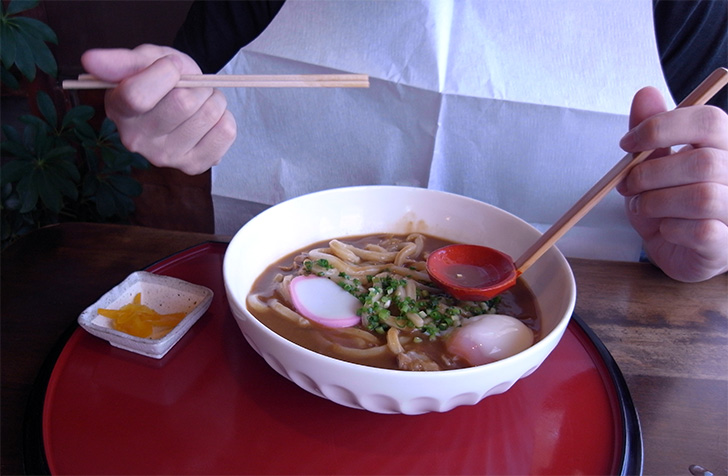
(405, 318)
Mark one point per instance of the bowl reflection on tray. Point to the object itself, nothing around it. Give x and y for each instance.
(356, 211)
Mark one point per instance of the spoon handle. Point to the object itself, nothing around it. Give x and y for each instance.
(700, 95)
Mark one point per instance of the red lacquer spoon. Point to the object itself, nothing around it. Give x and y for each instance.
(479, 273)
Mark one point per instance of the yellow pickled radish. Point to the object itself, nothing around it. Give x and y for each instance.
(139, 320)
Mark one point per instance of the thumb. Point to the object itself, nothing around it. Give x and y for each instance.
(646, 103)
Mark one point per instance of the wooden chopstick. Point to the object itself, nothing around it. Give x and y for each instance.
(700, 95)
(87, 81)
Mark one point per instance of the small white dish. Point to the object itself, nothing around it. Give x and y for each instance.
(164, 294)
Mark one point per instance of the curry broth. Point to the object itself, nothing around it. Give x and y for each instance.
(518, 301)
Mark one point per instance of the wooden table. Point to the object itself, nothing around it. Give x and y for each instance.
(670, 339)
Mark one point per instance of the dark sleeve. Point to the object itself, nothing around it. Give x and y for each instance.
(214, 30)
(692, 38)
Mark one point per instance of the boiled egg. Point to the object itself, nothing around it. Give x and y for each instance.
(489, 337)
(323, 301)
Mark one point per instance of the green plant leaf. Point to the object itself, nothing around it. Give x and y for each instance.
(92, 160)
(58, 176)
(36, 28)
(109, 159)
(42, 56)
(138, 161)
(47, 108)
(29, 133)
(77, 115)
(17, 6)
(89, 185)
(11, 133)
(48, 191)
(125, 185)
(61, 153)
(24, 58)
(69, 169)
(38, 135)
(8, 50)
(7, 79)
(44, 142)
(27, 194)
(14, 170)
(16, 149)
(116, 161)
(9, 198)
(35, 122)
(107, 129)
(85, 133)
(105, 202)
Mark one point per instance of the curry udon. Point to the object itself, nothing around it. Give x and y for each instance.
(405, 318)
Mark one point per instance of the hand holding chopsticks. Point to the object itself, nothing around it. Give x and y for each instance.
(86, 81)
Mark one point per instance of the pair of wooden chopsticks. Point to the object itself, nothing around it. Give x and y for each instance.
(87, 81)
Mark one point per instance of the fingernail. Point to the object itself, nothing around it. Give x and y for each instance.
(634, 204)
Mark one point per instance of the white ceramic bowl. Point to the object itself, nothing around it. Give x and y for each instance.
(336, 213)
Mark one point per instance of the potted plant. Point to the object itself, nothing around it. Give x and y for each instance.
(59, 167)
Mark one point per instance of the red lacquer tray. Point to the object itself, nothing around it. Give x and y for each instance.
(213, 406)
